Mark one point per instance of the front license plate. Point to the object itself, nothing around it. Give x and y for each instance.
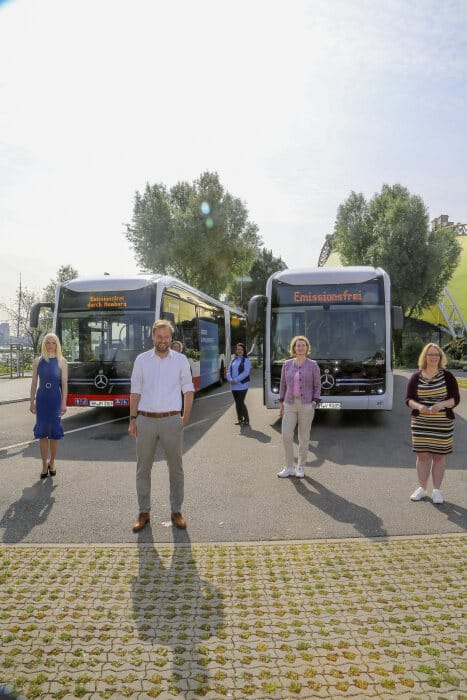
(101, 403)
(330, 404)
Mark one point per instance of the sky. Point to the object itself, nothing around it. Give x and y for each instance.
(295, 104)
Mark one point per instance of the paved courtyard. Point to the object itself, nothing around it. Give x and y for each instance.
(313, 619)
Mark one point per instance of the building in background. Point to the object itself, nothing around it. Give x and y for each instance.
(4, 333)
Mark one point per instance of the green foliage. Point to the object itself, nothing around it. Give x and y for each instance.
(456, 348)
(198, 232)
(263, 267)
(353, 231)
(392, 232)
(455, 364)
(64, 273)
(410, 352)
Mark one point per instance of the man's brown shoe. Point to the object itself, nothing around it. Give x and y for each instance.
(178, 520)
(143, 519)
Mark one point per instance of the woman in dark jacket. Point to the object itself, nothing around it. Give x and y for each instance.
(432, 393)
(238, 375)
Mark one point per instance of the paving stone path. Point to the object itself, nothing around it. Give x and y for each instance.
(320, 619)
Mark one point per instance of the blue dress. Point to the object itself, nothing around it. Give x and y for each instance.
(49, 400)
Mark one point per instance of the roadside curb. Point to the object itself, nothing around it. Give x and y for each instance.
(3, 403)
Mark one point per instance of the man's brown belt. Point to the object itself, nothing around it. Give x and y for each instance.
(148, 414)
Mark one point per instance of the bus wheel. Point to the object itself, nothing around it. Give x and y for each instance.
(221, 375)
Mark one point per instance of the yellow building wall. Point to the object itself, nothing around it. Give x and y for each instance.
(457, 287)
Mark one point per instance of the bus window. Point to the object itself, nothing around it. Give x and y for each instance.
(70, 340)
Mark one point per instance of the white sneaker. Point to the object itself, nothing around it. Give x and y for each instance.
(418, 494)
(299, 472)
(286, 472)
(437, 496)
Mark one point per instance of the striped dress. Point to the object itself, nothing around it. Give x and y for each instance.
(432, 433)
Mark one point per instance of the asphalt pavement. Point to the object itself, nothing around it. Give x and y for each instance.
(14, 390)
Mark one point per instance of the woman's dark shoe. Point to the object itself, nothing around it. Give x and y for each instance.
(52, 472)
(239, 422)
(44, 475)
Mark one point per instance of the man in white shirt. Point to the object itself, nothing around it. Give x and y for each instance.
(160, 376)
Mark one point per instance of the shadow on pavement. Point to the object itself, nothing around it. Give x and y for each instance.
(340, 509)
(249, 432)
(455, 513)
(174, 609)
(29, 511)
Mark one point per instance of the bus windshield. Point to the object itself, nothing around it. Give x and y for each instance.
(105, 337)
(335, 332)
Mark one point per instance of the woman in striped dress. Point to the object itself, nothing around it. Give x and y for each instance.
(432, 393)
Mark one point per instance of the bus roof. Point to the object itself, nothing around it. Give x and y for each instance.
(115, 283)
(106, 283)
(327, 275)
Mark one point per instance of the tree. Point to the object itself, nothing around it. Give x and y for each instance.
(64, 273)
(444, 246)
(392, 232)
(198, 232)
(353, 236)
(19, 312)
(262, 269)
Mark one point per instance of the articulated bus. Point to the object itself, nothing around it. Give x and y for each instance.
(346, 314)
(105, 322)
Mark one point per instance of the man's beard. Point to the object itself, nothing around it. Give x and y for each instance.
(162, 347)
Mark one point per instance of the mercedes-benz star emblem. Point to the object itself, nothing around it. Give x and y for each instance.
(327, 380)
(100, 381)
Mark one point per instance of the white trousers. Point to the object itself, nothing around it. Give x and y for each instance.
(303, 414)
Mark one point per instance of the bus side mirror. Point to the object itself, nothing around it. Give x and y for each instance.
(254, 305)
(35, 309)
(397, 318)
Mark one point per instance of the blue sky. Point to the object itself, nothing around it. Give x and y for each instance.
(293, 104)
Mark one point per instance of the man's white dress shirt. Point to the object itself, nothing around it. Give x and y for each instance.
(161, 381)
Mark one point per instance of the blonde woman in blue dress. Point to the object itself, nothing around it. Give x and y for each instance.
(48, 401)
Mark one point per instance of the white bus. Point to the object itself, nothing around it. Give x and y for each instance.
(104, 322)
(346, 314)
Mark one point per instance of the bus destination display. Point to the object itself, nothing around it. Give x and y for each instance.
(133, 299)
(106, 301)
(323, 294)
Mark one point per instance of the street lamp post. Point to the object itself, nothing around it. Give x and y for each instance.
(242, 280)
